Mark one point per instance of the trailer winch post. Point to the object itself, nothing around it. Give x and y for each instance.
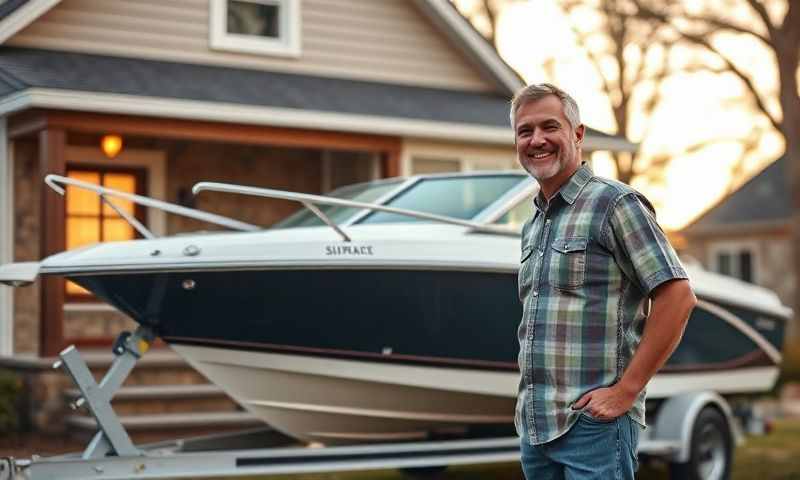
(111, 437)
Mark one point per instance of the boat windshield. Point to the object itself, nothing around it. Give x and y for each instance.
(457, 197)
(361, 192)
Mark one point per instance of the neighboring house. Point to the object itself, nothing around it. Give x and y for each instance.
(301, 95)
(747, 233)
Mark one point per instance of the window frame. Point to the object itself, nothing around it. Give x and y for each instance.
(734, 249)
(288, 43)
(140, 212)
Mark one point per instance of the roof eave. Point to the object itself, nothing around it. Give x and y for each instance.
(123, 104)
(24, 16)
(739, 228)
(471, 43)
(613, 144)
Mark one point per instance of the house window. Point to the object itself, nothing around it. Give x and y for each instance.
(270, 27)
(736, 259)
(89, 220)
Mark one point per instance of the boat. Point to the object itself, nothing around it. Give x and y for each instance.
(383, 311)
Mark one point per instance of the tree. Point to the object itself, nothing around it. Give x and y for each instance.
(776, 26)
(632, 56)
(483, 15)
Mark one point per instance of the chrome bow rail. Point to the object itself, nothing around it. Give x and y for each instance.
(311, 201)
(106, 195)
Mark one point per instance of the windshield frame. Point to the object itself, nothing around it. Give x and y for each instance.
(491, 212)
(507, 202)
(488, 215)
(399, 187)
(382, 200)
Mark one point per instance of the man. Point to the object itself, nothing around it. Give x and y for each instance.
(605, 301)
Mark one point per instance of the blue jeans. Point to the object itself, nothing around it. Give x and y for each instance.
(591, 449)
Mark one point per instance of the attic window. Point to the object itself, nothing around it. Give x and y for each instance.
(269, 27)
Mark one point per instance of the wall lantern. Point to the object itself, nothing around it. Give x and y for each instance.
(111, 145)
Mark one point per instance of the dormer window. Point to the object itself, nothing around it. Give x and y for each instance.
(270, 27)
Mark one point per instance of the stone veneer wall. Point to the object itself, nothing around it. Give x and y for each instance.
(83, 321)
(269, 167)
(28, 186)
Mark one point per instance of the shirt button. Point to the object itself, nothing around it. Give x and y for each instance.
(536, 293)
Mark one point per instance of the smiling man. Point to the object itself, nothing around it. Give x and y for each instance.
(605, 301)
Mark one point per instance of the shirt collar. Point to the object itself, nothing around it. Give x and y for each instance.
(570, 190)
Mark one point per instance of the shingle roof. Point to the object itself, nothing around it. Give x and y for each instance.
(10, 6)
(23, 68)
(764, 198)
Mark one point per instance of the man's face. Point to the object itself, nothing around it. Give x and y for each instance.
(547, 145)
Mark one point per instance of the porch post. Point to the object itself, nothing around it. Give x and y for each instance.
(391, 163)
(6, 239)
(52, 152)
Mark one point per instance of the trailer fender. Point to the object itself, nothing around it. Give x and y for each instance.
(676, 419)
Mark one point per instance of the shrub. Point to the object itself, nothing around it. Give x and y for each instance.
(10, 392)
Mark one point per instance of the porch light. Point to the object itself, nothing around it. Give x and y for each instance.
(111, 145)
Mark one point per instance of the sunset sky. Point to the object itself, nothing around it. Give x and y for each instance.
(700, 107)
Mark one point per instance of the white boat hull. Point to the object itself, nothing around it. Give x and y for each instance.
(329, 401)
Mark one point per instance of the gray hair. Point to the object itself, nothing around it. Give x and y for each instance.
(535, 91)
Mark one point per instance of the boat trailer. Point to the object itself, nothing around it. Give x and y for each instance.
(112, 455)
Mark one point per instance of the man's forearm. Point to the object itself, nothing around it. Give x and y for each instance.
(672, 304)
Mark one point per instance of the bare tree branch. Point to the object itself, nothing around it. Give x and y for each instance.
(702, 41)
(720, 24)
(593, 58)
(484, 15)
(491, 15)
(709, 19)
(761, 10)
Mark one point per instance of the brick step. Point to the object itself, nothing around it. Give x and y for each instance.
(155, 399)
(159, 366)
(161, 383)
(167, 426)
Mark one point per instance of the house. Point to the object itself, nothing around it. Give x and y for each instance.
(747, 233)
(302, 95)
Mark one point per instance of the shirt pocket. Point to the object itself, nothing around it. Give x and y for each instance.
(524, 279)
(568, 263)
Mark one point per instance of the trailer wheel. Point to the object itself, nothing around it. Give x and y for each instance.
(710, 451)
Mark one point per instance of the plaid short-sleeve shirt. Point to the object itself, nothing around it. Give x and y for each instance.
(590, 258)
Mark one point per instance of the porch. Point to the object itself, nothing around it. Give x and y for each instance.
(161, 158)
